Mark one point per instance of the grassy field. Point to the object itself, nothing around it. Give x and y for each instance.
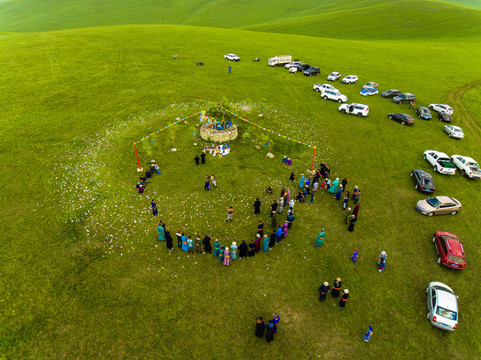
(82, 273)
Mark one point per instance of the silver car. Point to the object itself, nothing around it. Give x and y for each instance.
(442, 306)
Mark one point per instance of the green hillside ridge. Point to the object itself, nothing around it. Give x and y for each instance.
(354, 19)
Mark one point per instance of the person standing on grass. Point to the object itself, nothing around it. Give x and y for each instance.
(288, 197)
(270, 331)
(292, 177)
(334, 186)
(185, 247)
(336, 286)
(344, 184)
(280, 207)
(230, 212)
(260, 228)
(202, 157)
(338, 193)
(356, 210)
(302, 181)
(345, 295)
(190, 245)
(272, 239)
(179, 239)
(279, 233)
(313, 192)
(221, 254)
(260, 327)
(320, 238)
(276, 320)
(382, 261)
(207, 183)
(257, 206)
(323, 290)
(252, 249)
(347, 219)
(354, 192)
(352, 223)
(265, 247)
(226, 256)
(355, 256)
(154, 207)
(290, 219)
(168, 241)
(196, 159)
(284, 229)
(161, 231)
(233, 251)
(273, 207)
(274, 219)
(243, 249)
(358, 196)
(345, 201)
(198, 244)
(207, 245)
(216, 248)
(257, 243)
(213, 181)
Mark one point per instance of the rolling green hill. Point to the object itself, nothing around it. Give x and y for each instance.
(352, 19)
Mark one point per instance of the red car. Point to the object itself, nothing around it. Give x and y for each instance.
(450, 250)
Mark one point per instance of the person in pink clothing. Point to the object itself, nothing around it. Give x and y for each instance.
(226, 256)
(284, 227)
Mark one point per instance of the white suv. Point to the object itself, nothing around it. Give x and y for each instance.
(232, 57)
(350, 79)
(319, 87)
(335, 95)
(354, 109)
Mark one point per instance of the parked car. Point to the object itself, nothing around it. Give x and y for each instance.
(312, 71)
(232, 57)
(450, 250)
(319, 87)
(423, 180)
(403, 118)
(467, 166)
(405, 98)
(292, 63)
(369, 91)
(334, 76)
(442, 306)
(445, 117)
(454, 131)
(371, 84)
(391, 93)
(350, 79)
(438, 205)
(299, 67)
(328, 94)
(354, 109)
(423, 113)
(440, 162)
(441, 107)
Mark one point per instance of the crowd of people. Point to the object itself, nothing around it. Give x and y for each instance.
(269, 330)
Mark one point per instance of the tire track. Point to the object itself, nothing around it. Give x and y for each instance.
(455, 97)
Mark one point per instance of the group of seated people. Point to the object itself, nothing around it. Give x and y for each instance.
(220, 149)
(287, 160)
(142, 183)
(222, 125)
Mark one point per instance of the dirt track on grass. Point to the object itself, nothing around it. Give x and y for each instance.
(461, 112)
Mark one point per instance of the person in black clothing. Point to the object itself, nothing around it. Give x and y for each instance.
(196, 159)
(342, 302)
(323, 290)
(257, 206)
(202, 157)
(270, 331)
(260, 228)
(260, 327)
(207, 245)
(344, 183)
(179, 239)
(273, 207)
(148, 174)
(272, 238)
(168, 240)
(292, 177)
(243, 249)
(252, 249)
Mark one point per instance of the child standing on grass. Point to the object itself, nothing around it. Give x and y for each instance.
(190, 245)
(213, 181)
(230, 213)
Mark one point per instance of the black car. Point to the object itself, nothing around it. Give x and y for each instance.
(391, 93)
(444, 117)
(312, 71)
(423, 113)
(423, 180)
(402, 118)
(301, 66)
(405, 98)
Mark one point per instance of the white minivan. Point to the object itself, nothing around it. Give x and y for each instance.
(333, 94)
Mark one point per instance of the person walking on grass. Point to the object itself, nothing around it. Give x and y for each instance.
(355, 256)
(207, 245)
(323, 290)
(257, 206)
(213, 182)
(233, 251)
(221, 254)
(352, 223)
(320, 238)
(185, 247)
(260, 327)
(358, 196)
(336, 286)
(345, 295)
(154, 207)
(338, 192)
(230, 212)
(161, 231)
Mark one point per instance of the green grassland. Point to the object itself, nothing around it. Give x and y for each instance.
(82, 273)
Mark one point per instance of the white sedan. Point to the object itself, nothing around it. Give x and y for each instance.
(441, 108)
(232, 57)
(454, 131)
(350, 79)
(442, 306)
